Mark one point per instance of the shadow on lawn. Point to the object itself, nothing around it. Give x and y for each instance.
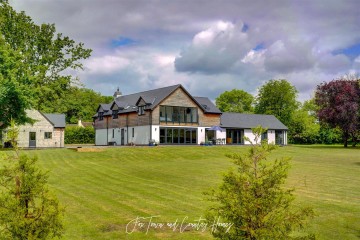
(328, 147)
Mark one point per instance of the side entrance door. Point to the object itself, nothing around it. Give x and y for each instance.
(32, 139)
(122, 136)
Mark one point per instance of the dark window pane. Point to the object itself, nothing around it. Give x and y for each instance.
(169, 135)
(182, 135)
(176, 135)
(162, 135)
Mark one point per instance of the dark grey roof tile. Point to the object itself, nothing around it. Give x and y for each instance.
(246, 121)
(58, 120)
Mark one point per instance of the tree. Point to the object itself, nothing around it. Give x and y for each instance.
(235, 101)
(277, 97)
(304, 127)
(13, 96)
(338, 103)
(253, 197)
(28, 210)
(46, 56)
(80, 103)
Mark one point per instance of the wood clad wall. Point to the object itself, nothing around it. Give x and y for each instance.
(177, 98)
(180, 98)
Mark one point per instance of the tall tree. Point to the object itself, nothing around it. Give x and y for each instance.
(338, 103)
(253, 197)
(277, 97)
(235, 101)
(45, 54)
(13, 96)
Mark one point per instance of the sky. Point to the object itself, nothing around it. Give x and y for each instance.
(208, 46)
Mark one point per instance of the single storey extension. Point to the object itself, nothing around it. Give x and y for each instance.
(171, 115)
(47, 131)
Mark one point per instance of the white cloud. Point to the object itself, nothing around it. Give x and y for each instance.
(106, 64)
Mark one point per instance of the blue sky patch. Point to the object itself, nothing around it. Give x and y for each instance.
(121, 41)
(259, 47)
(245, 28)
(351, 52)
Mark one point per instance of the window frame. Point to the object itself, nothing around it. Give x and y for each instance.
(101, 116)
(141, 110)
(47, 133)
(180, 115)
(115, 114)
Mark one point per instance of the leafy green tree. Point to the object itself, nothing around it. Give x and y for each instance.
(235, 101)
(28, 210)
(277, 97)
(329, 135)
(80, 103)
(46, 56)
(13, 96)
(253, 197)
(304, 126)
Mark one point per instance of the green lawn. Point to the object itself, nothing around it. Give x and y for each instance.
(103, 191)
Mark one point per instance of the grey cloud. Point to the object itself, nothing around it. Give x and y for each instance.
(160, 25)
(334, 64)
(287, 56)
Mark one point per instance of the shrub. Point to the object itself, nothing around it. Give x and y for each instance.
(79, 135)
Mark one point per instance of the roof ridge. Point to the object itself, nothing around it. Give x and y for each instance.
(177, 85)
(260, 114)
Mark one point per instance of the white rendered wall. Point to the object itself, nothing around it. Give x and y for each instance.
(155, 133)
(100, 137)
(200, 135)
(249, 134)
(271, 136)
(141, 135)
(117, 135)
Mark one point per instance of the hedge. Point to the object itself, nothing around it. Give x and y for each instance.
(79, 135)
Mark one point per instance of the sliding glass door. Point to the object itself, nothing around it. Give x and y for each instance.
(178, 135)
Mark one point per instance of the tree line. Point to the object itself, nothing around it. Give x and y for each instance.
(331, 116)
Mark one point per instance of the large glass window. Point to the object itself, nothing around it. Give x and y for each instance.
(169, 133)
(264, 136)
(169, 114)
(162, 135)
(178, 135)
(174, 114)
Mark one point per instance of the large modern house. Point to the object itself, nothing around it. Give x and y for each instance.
(47, 131)
(171, 115)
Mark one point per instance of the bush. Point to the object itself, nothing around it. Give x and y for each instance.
(79, 135)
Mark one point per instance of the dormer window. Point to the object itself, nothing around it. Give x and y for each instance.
(141, 110)
(115, 114)
(101, 116)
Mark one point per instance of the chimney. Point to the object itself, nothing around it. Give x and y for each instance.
(117, 94)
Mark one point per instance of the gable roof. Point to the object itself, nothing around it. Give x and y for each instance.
(58, 120)
(152, 98)
(207, 105)
(246, 121)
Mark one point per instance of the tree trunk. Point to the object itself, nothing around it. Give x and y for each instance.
(346, 137)
(354, 139)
